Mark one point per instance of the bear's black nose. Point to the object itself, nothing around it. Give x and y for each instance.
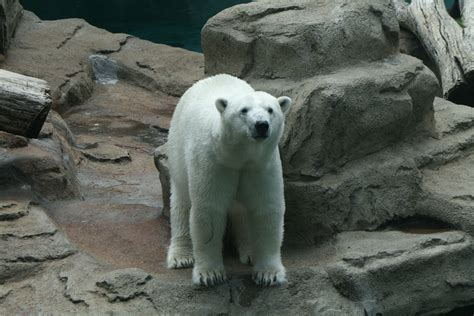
(262, 128)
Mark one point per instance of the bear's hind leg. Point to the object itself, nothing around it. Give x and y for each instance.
(240, 232)
(180, 252)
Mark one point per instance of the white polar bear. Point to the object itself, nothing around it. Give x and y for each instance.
(223, 149)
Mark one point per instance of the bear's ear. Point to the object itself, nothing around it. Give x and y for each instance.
(221, 104)
(285, 103)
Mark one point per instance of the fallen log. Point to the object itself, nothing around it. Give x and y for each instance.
(24, 103)
(444, 40)
(466, 7)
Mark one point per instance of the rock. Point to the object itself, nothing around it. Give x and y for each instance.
(450, 192)
(394, 273)
(159, 68)
(451, 118)
(104, 68)
(410, 45)
(10, 15)
(8, 140)
(350, 101)
(12, 210)
(161, 163)
(298, 39)
(329, 124)
(123, 285)
(45, 167)
(104, 152)
(28, 239)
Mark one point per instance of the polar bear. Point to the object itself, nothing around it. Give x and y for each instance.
(224, 163)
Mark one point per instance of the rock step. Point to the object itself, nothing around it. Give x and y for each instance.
(395, 273)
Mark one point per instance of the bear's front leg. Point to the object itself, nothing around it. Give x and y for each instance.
(262, 193)
(211, 197)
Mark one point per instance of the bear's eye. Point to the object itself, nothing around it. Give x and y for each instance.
(244, 110)
(270, 110)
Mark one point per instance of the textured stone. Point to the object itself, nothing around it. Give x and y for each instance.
(104, 152)
(349, 114)
(104, 68)
(8, 140)
(11, 210)
(158, 68)
(161, 163)
(295, 39)
(123, 285)
(10, 14)
(45, 166)
(394, 273)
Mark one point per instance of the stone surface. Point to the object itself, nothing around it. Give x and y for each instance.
(373, 269)
(73, 41)
(104, 152)
(104, 68)
(161, 163)
(8, 140)
(12, 210)
(297, 39)
(42, 166)
(378, 272)
(351, 113)
(28, 241)
(10, 14)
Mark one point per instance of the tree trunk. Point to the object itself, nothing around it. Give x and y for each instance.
(443, 39)
(467, 19)
(24, 103)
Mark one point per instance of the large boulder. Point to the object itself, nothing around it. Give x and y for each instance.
(298, 39)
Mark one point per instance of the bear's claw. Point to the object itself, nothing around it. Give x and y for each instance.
(180, 262)
(209, 278)
(269, 278)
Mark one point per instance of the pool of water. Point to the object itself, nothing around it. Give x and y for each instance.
(176, 23)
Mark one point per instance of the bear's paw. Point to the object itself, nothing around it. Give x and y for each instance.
(209, 277)
(270, 276)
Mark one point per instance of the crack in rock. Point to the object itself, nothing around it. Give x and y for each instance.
(23, 237)
(11, 211)
(70, 36)
(124, 285)
(269, 11)
(144, 66)
(32, 259)
(68, 295)
(122, 43)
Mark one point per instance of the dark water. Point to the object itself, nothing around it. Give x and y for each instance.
(172, 22)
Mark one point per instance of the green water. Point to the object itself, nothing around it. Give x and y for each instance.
(176, 23)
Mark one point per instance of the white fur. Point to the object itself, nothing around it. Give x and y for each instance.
(216, 161)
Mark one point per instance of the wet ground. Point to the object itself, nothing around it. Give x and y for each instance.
(118, 217)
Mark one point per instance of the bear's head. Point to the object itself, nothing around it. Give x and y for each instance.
(257, 116)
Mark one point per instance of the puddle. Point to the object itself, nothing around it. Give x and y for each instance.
(417, 225)
(120, 127)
